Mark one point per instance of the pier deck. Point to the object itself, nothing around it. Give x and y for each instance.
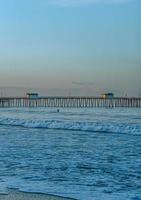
(70, 102)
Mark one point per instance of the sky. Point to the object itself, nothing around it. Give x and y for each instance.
(70, 47)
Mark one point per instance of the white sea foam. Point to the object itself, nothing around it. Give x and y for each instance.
(59, 153)
(111, 127)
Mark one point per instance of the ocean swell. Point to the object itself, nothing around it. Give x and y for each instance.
(111, 127)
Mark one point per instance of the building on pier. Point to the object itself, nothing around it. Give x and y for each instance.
(33, 100)
(107, 95)
(32, 95)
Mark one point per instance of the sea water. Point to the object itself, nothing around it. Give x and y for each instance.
(86, 154)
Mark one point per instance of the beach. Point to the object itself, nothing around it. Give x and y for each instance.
(18, 195)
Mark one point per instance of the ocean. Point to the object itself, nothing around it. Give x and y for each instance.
(86, 154)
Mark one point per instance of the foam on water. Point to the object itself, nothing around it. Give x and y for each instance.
(70, 153)
(111, 127)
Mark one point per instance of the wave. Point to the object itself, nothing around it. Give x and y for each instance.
(111, 127)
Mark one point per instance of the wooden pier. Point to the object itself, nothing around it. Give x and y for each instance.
(70, 102)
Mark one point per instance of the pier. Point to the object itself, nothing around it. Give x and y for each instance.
(70, 102)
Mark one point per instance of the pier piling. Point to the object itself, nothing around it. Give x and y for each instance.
(71, 102)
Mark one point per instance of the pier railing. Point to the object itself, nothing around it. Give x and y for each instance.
(70, 102)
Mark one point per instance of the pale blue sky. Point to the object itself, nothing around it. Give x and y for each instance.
(78, 47)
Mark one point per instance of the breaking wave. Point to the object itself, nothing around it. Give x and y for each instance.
(112, 127)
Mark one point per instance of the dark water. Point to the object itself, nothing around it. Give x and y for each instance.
(85, 154)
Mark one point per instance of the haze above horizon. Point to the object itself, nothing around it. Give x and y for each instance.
(73, 47)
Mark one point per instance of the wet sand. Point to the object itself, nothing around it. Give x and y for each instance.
(17, 195)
